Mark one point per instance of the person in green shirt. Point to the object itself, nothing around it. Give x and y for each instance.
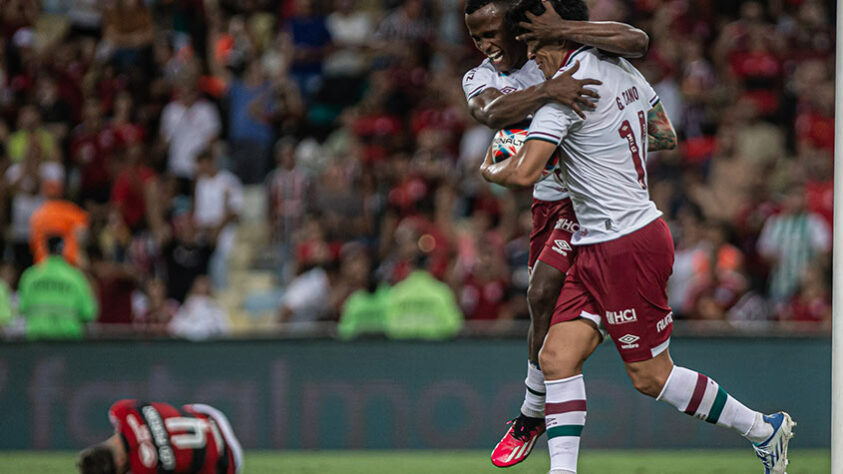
(5, 303)
(55, 297)
(422, 307)
(364, 312)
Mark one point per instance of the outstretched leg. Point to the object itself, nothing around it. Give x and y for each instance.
(700, 396)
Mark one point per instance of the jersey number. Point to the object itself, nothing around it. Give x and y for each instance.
(627, 133)
(194, 432)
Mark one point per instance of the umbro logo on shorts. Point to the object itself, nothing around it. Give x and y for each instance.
(561, 246)
(629, 341)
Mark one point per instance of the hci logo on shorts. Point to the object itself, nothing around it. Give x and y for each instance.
(629, 341)
(621, 317)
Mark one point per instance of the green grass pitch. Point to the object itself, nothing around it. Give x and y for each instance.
(463, 462)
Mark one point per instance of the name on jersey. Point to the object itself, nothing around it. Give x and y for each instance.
(159, 435)
(628, 96)
(621, 317)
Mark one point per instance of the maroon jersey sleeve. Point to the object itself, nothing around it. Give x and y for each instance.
(161, 439)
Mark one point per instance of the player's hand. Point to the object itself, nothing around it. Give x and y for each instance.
(547, 28)
(572, 92)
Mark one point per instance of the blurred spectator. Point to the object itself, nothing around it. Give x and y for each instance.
(421, 307)
(484, 294)
(92, 145)
(31, 134)
(811, 303)
(6, 312)
(351, 29)
(289, 193)
(29, 183)
(189, 124)
(128, 30)
(405, 25)
(364, 312)
(217, 201)
(792, 241)
(56, 112)
(135, 193)
(200, 317)
(186, 257)
(123, 124)
(306, 297)
(58, 218)
(152, 310)
(249, 128)
(55, 298)
(311, 42)
(115, 283)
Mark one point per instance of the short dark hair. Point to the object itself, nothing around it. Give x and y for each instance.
(97, 459)
(55, 245)
(574, 10)
(472, 6)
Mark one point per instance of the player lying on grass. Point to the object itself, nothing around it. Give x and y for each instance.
(151, 438)
(618, 282)
(506, 89)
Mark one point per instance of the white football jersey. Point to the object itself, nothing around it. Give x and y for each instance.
(604, 156)
(485, 76)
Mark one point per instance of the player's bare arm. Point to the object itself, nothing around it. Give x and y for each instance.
(522, 170)
(660, 132)
(609, 36)
(497, 110)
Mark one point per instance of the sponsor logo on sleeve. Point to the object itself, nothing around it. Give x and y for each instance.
(623, 316)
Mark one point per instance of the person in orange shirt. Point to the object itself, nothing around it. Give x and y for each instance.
(57, 217)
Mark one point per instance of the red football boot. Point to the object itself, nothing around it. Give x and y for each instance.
(518, 441)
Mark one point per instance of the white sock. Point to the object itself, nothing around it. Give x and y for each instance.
(533, 405)
(699, 396)
(565, 418)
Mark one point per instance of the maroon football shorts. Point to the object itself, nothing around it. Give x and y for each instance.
(621, 285)
(554, 223)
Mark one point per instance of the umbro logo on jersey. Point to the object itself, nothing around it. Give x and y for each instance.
(629, 341)
(621, 317)
(561, 246)
(508, 90)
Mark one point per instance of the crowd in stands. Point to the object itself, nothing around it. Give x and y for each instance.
(156, 137)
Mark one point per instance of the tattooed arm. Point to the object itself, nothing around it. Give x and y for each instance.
(660, 132)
